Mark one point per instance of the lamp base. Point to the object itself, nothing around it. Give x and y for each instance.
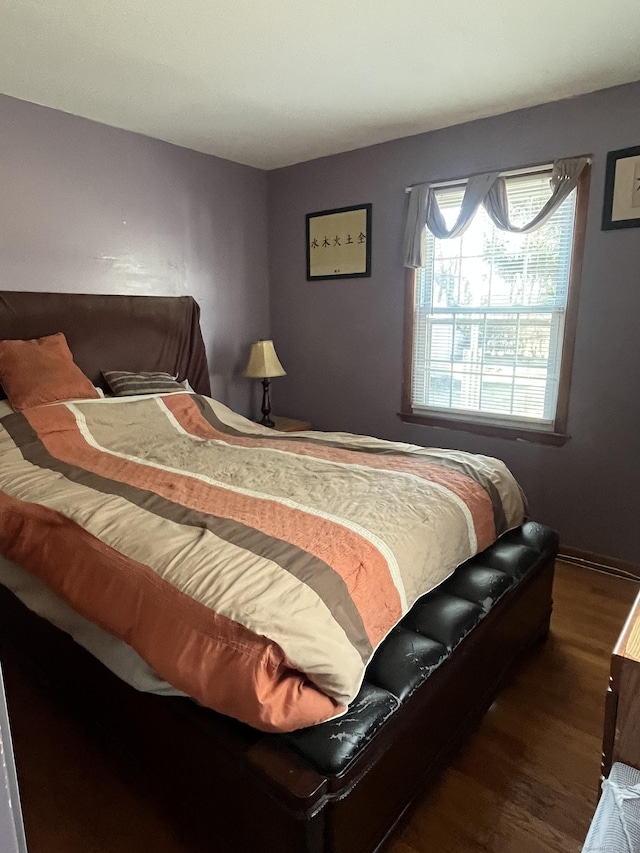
(266, 404)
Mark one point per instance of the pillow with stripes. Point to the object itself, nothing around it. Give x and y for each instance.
(123, 383)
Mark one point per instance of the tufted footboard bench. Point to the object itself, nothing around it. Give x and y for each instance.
(342, 786)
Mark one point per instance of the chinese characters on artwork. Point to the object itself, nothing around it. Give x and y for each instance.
(337, 240)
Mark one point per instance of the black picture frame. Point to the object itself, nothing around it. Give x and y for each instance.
(622, 189)
(339, 243)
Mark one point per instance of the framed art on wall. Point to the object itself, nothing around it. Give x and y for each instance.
(622, 189)
(339, 243)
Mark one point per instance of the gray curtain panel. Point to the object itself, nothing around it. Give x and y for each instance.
(489, 189)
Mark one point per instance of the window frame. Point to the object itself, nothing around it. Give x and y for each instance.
(558, 434)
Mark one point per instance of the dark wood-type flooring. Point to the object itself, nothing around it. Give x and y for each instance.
(525, 782)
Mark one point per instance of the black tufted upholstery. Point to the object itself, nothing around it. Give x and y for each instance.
(422, 642)
(443, 617)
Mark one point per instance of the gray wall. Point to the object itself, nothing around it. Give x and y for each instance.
(93, 209)
(341, 341)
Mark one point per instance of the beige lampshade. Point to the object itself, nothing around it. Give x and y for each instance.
(263, 362)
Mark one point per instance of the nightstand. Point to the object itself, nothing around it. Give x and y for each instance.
(289, 424)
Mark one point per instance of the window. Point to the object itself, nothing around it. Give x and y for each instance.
(490, 317)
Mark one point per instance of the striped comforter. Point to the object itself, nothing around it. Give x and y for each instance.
(255, 571)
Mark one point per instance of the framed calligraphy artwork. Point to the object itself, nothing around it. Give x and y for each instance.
(622, 189)
(339, 243)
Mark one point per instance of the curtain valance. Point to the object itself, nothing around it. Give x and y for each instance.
(490, 190)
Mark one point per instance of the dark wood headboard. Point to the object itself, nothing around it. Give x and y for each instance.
(109, 332)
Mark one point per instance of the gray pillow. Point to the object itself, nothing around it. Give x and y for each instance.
(125, 384)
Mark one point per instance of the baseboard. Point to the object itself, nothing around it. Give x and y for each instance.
(600, 563)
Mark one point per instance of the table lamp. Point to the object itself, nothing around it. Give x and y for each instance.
(264, 364)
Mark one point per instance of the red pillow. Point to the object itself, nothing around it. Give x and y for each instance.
(41, 370)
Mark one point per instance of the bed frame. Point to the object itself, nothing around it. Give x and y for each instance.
(342, 786)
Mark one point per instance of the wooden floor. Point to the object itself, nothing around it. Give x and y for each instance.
(525, 783)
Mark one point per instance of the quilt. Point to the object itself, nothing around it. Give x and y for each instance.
(255, 571)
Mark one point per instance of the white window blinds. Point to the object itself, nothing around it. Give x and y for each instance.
(490, 311)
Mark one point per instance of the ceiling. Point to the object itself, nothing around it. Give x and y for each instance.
(275, 82)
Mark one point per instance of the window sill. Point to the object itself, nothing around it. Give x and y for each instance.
(513, 433)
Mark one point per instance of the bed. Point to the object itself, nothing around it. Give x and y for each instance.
(340, 785)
